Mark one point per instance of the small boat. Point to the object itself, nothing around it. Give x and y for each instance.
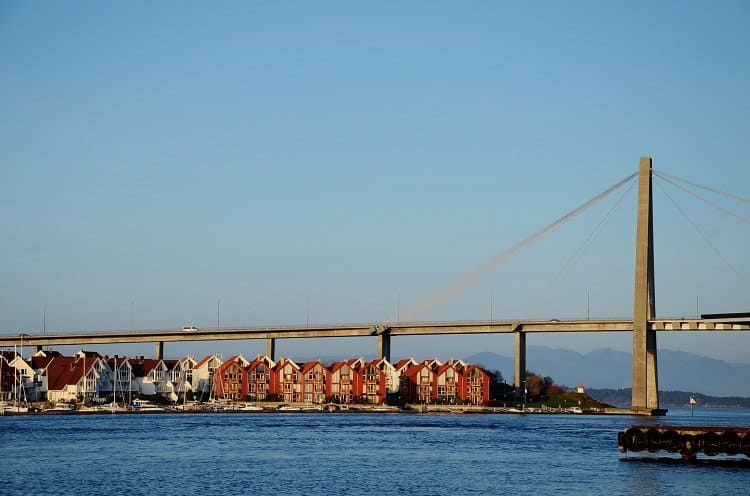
(113, 407)
(220, 406)
(60, 407)
(248, 407)
(144, 406)
(89, 409)
(14, 409)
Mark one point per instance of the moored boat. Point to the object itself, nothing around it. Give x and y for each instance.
(144, 406)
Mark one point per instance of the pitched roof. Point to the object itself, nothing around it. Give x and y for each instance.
(88, 354)
(143, 366)
(119, 359)
(239, 359)
(63, 371)
(284, 360)
(171, 364)
(432, 362)
(337, 365)
(188, 360)
(311, 365)
(234, 360)
(415, 369)
(472, 368)
(355, 363)
(206, 358)
(48, 353)
(264, 359)
(258, 362)
(458, 363)
(8, 355)
(373, 363)
(442, 368)
(41, 362)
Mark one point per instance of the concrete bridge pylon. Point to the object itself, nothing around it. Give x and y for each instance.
(645, 385)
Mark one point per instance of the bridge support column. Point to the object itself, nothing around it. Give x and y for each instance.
(519, 378)
(271, 348)
(159, 350)
(384, 346)
(645, 387)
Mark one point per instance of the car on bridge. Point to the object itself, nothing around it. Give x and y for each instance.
(189, 329)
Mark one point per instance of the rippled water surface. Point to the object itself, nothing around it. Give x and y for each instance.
(299, 453)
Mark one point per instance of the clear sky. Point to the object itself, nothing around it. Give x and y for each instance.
(339, 161)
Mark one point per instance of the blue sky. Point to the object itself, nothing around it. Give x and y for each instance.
(159, 158)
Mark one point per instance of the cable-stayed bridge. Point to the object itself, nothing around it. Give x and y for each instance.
(644, 325)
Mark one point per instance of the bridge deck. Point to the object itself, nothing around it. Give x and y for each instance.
(362, 330)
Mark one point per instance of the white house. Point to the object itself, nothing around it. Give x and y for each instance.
(203, 375)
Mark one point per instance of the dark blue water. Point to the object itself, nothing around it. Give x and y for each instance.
(298, 453)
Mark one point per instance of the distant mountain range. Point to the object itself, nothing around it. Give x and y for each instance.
(608, 368)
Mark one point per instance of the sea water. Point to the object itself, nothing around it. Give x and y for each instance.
(353, 453)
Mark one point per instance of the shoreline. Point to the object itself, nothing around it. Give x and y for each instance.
(272, 408)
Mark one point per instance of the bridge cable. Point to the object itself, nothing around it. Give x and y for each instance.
(733, 196)
(468, 279)
(576, 256)
(704, 237)
(708, 202)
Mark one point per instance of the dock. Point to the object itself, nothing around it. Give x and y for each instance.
(688, 441)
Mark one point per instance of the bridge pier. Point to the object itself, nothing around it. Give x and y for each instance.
(645, 387)
(384, 346)
(519, 379)
(271, 348)
(159, 350)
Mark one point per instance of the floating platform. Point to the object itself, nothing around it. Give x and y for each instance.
(686, 440)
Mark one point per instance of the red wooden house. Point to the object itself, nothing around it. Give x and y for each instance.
(374, 381)
(417, 383)
(315, 382)
(448, 382)
(229, 379)
(477, 385)
(258, 378)
(341, 384)
(356, 365)
(286, 380)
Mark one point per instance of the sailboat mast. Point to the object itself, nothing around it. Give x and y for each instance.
(15, 379)
(114, 392)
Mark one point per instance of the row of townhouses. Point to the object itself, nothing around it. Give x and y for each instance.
(353, 380)
(50, 376)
